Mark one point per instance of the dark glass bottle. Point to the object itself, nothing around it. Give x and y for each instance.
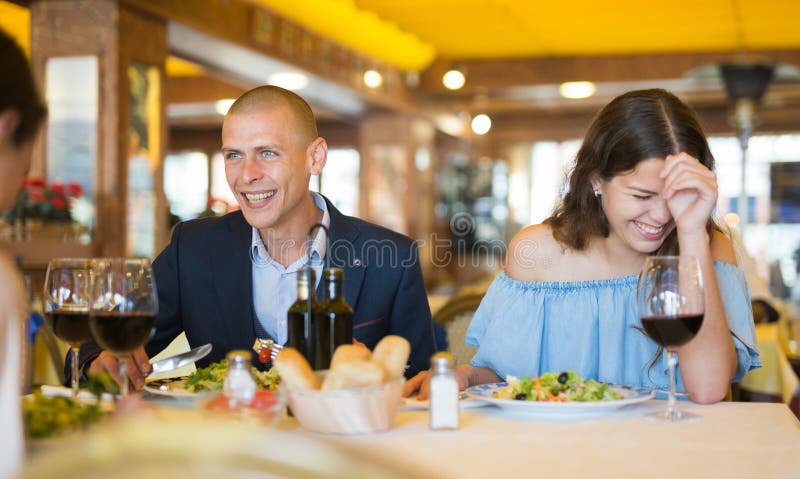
(302, 322)
(335, 325)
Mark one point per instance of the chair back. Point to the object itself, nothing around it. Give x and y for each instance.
(455, 317)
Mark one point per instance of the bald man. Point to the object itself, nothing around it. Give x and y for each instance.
(231, 279)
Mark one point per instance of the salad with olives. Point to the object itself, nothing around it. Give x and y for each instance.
(557, 387)
(211, 378)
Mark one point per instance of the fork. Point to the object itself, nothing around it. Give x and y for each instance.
(273, 347)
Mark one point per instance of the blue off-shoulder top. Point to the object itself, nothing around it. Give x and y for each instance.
(592, 327)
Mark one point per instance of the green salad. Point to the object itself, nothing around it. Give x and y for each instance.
(557, 387)
(48, 416)
(210, 378)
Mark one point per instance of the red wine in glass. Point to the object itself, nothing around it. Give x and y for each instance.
(122, 333)
(671, 305)
(66, 305)
(123, 308)
(672, 331)
(71, 326)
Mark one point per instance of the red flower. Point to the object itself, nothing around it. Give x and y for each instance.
(75, 189)
(37, 182)
(58, 202)
(36, 194)
(58, 189)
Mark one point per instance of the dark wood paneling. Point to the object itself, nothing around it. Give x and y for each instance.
(199, 89)
(207, 140)
(483, 75)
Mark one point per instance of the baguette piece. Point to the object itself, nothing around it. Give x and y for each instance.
(346, 353)
(354, 374)
(391, 353)
(294, 370)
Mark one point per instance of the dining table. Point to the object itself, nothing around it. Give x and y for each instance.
(729, 440)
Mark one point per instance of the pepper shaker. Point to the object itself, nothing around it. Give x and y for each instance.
(444, 392)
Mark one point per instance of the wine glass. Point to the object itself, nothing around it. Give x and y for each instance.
(67, 288)
(123, 307)
(671, 305)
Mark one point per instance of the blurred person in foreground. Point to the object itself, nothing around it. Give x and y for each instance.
(643, 184)
(229, 280)
(21, 113)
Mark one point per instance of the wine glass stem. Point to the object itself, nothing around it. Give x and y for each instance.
(75, 350)
(123, 376)
(672, 411)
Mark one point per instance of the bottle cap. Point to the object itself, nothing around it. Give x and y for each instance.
(442, 362)
(238, 358)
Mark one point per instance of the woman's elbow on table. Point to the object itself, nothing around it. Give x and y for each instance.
(709, 394)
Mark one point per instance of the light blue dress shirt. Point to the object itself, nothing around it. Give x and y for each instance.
(275, 286)
(529, 328)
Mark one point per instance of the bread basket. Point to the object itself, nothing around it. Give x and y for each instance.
(347, 411)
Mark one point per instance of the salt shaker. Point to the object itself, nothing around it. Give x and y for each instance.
(239, 385)
(444, 392)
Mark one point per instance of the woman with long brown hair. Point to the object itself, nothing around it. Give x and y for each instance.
(643, 184)
(21, 114)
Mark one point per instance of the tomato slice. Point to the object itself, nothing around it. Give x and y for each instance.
(264, 399)
(219, 403)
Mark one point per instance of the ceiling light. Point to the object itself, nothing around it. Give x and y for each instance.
(481, 124)
(453, 80)
(288, 80)
(222, 106)
(373, 79)
(577, 89)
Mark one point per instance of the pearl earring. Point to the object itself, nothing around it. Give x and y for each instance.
(597, 193)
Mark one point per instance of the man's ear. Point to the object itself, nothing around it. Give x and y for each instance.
(318, 155)
(9, 120)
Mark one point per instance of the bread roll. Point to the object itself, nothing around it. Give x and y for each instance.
(353, 374)
(391, 353)
(346, 353)
(295, 371)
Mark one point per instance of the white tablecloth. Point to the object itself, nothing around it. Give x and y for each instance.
(731, 440)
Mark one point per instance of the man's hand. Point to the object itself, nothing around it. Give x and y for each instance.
(421, 382)
(137, 366)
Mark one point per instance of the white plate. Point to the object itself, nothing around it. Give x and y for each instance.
(174, 387)
(465, 402)
(630, 395)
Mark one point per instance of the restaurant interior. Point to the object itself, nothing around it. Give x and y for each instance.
(452, 122)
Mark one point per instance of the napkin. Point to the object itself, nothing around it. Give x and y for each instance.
(61, 391)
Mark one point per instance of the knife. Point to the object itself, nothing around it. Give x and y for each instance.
(174, 362)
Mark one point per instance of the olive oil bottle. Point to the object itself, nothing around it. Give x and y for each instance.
(302, 321)
(335, 324)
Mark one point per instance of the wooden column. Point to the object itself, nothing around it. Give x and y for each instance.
(118, 36)
(396, 192)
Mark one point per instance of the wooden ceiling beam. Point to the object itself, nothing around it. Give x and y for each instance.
(260, 30)
(489, 75)
(199, 90)
(522, 127)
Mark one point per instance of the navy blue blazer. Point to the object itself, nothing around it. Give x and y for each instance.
(205, 287)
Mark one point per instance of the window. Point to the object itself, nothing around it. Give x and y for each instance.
(339, 180)
(186, 183)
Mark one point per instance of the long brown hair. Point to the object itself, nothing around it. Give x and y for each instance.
(633, 127)
(18, 90)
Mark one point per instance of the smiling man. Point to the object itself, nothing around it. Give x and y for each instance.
(231, 279)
